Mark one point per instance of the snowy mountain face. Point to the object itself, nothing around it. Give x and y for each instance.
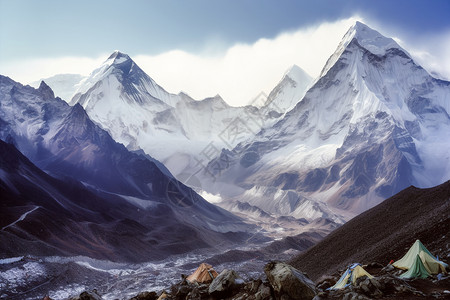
(179, 131)
(372, 124)
(64, 142)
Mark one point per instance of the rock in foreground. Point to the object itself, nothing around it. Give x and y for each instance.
(288, 282)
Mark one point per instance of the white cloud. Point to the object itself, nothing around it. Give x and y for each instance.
(29, 70)
(245, 70)
(431, 52)
(242, 71)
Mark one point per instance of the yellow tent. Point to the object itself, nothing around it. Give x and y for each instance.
(204, 274)
(349, 277)
(431, 263)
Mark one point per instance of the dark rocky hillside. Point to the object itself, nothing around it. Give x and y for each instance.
(385, 232)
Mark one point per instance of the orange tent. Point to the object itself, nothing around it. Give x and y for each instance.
(204, 274)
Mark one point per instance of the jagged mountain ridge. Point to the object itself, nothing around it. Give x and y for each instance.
(374, 123)
(175, 129)
(64, 142)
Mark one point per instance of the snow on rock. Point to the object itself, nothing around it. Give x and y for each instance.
(371, 125)
(19, 276)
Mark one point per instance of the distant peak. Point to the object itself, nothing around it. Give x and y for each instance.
(118, 57)
(297, 74)
(46, 91)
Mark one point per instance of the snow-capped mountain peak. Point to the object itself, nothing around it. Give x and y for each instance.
(118, 57)
(372, 124)
(289, 90)
(297, 74)
(371, 39)
(127, 83)
(366, 37)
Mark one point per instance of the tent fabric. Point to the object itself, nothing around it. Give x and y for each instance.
(204, 274)
(430, 263)
(358, 271)
(349, 277)
(343, 281)
(417, 270)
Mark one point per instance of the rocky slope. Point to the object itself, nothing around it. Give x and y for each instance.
(385, 232)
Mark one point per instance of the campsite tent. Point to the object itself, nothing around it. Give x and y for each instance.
(204, 274)
(417, 270)
(349, 277)
(431, 264)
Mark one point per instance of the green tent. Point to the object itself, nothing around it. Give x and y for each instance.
(417, 270)
(427, 261)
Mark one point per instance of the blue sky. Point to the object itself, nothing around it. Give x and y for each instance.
(49, 29)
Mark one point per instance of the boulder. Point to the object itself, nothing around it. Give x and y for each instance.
(226, 284)
(146, 296)
(288, 282)
(263, 293)
(92, 295)
(354, 296)
(198, 292)
(369, 287)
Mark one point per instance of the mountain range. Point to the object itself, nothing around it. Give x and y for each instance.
(181, 132)
(314, 152)
(68, 188)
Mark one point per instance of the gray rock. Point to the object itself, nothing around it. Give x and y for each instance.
(354, 296)
(225, 284)
(263, 293)
(369, 287)
(288, 282)
(92, 295)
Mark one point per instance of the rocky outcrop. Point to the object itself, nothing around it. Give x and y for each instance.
(288, 282)
(225, 284)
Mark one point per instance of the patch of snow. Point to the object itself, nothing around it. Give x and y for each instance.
(211, 198)
(21, 218)
(10, 260)
(143, 203)
(65, 292)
